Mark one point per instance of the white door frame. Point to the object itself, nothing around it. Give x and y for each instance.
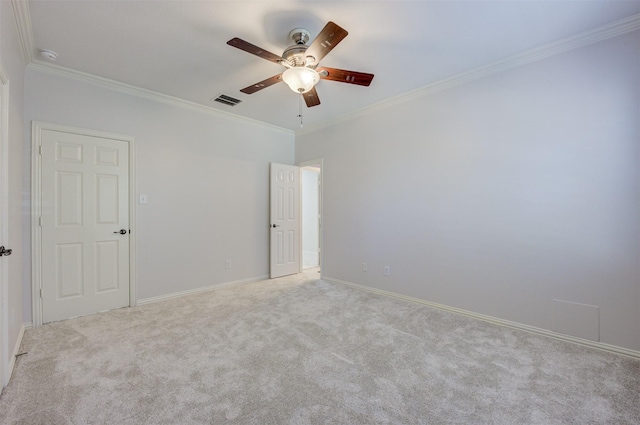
(315, 163)
(4, 226)
(36, 209)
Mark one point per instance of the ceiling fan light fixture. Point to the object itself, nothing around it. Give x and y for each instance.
(301, 61)
(300, 79)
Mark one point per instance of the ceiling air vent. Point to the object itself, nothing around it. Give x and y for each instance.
(227, 100)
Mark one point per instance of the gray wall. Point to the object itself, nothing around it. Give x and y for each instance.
(12, 64)
(500, 195)
(206, 176)
(496, 197)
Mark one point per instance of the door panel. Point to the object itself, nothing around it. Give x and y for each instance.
(285, 220)
(69, 267)
(70, 207)
(69, 152)
(107, 275)
(85, 203)
(107, 199)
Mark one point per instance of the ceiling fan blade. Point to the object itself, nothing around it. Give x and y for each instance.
(344, 76)
(262, 84)
(329, 37)
(254, 50)
(311, 98)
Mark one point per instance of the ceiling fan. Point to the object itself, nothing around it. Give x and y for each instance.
(301, 61)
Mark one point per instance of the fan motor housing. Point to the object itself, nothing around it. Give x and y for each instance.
(294, 54)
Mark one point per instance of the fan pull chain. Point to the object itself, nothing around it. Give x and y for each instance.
(300, 110)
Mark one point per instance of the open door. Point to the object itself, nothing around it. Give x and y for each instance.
(285, 220)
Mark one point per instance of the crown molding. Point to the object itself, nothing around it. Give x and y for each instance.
(25, 32)
(614, 29)
(144, 93)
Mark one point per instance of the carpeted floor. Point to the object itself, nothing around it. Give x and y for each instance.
(299, 350)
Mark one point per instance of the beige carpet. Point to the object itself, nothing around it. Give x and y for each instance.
(298, 350)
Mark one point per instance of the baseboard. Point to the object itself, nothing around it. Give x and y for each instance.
(496, 321)
(199, 290)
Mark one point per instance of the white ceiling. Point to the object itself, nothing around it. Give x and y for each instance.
(178, 48)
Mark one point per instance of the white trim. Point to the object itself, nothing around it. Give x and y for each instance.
(15, 352)
(199, 290)
(25, 30)
(146, 94)
(133, 224)
(496, 321)
(614, 29)
(5, 371)
(36, 209)
(309, 163)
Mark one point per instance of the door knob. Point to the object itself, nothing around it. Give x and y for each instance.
(276, 225)
(5, 252)
(121, 231)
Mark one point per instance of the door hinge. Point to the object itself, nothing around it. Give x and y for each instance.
(40, 293)
(40, 150)
(40, 221)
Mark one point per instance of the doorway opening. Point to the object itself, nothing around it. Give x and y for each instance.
(311, 214)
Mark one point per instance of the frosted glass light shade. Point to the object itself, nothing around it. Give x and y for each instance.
(300, 79)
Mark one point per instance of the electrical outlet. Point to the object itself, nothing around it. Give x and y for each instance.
(227, 264)
(387, 270)
(364, 267)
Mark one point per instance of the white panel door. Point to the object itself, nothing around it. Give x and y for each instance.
(85, 225)
(285, 220)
